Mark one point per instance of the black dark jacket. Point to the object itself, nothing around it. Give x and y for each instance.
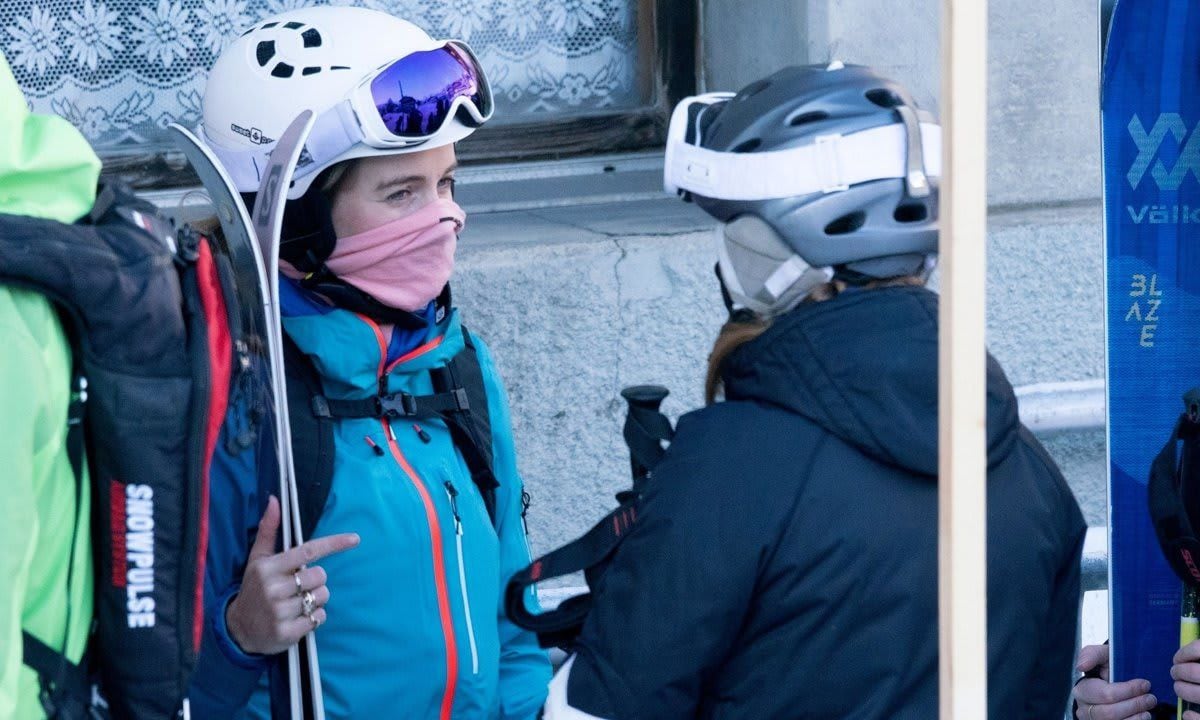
(784, 564)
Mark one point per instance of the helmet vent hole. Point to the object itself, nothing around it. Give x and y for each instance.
(312, 38)
(808, 117)
(282, 70)
(269, 25)
(752, 90)
(884, 98)
(293, 25)
(264, 51)
(310, 71)
(910, 213)
(846, 224)
(339, 67)
(749, 146)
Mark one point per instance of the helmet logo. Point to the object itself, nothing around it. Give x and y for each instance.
(305, 158)
(254, 135)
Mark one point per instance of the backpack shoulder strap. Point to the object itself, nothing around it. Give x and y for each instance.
(64, 690)
(459, 400)
(469, 375)
(312, 435)
(646, 430)
(472, 428)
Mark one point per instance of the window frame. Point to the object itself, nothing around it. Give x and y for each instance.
(668, 34)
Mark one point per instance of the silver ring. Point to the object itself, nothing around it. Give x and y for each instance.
(308, 602)
(315, 622)
(1090, 709)
(299, 585)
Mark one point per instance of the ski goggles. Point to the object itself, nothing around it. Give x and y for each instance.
(909, 149)
(405, 103)
(409, 100)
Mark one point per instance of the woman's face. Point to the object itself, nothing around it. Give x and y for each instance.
(378, 190)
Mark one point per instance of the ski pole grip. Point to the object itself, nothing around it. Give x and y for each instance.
(646, 428)
(648, 397)
(1191, 405)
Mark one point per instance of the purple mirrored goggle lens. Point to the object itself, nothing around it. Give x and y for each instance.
(414, 94)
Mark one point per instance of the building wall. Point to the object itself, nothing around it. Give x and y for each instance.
(578, 302)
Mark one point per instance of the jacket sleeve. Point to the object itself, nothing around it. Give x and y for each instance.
(1053, 675)
(670, 605)
(21, 420)
(226, 677)
(524, 666)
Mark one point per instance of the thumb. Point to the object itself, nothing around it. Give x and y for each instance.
(1092, 657)
(268, 528)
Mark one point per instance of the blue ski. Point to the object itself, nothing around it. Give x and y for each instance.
(1150, 108)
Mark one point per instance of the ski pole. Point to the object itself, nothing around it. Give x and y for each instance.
(1189, 493)
(646, 428)
(1189, 631)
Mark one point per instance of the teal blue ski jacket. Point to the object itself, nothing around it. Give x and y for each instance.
(416, 625)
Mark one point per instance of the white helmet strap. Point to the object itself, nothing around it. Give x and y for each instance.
(829, 164)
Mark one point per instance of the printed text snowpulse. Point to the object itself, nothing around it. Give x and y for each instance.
(132, 524)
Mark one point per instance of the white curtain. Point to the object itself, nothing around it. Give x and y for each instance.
(121, 70)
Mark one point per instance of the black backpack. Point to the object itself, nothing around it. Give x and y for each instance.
(148, 310)
(646, 431)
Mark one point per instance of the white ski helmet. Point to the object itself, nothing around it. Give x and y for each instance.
(331, 60)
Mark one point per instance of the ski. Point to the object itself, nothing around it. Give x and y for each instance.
(269, 206)
(259, 319)
(1150, 108)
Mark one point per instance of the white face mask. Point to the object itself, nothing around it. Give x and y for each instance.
(759, 269)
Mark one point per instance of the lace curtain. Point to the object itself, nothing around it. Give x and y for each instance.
(122, 70)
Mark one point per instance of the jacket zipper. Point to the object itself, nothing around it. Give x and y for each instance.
(452, 493)
(439, 573)
(435, 531)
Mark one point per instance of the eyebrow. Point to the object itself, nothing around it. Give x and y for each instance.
(410, 179)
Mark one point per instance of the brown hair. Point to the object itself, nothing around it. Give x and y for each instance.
(733, 335)
(737, 333)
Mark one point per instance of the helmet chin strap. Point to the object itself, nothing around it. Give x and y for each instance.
(736, 314)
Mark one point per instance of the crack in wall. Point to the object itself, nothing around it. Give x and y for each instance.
(613, 234)
(622, 325)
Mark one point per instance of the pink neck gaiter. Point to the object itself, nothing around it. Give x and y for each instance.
(405, 263)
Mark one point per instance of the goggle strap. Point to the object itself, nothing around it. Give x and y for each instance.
(832, 163)
(334, 132)
(677, 132)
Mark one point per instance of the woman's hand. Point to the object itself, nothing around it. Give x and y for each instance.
(1186, 673)
(1098, 699)
(281, 600)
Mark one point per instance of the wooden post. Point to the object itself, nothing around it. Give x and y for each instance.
(962, 465)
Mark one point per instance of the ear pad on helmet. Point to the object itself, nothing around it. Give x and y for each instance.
(759, 268)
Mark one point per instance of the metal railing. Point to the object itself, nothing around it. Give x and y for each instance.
(1094, 564)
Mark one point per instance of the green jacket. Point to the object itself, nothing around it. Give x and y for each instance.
(47, 170)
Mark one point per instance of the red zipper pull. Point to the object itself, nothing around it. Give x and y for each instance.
(378, 450)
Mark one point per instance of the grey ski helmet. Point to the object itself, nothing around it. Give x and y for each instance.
(861, 205)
